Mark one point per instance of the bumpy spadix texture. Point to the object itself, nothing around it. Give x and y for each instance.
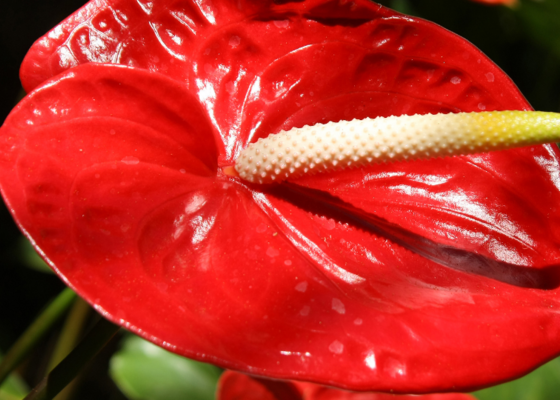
(412, 277)
(350, 144)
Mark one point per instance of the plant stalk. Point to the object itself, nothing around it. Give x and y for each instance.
(69, 336)
(27, 341)
(71, 366)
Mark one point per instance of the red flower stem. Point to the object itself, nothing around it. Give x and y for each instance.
(69, 368)
(27, 341)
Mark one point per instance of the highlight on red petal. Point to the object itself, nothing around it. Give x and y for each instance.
(87, 155)
(417, 277)
(223, 52)
(106, 31)
(235, 386)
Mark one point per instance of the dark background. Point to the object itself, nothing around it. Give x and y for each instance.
(524, 41)
(23, 291)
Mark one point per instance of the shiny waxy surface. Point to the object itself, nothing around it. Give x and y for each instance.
(415, 277)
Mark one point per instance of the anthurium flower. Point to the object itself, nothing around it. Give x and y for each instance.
(423, 276)
(236, 386)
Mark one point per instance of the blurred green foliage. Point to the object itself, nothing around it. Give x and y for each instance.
(29, 256)
(523, 40)
(13, 389)
(144, 371)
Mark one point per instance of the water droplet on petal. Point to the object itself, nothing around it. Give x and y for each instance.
(330, 225)
(282, 23)
(338, 306)
(234, 41)
(129, 160)
(336, 347)
(301, 287)
(272, 252)
(305, 311)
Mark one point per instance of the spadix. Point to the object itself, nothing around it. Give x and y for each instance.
(351, 144)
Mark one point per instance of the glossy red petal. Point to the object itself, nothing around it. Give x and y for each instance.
(172, 32)
(80, 126)
(243, 58)
(448, 202)
(236, 386)
(414, 278)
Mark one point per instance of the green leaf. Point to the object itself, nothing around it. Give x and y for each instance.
(541, 20)
(14, 388)
(541, 384)
(144, 371)
(403, 6)
(30, 258)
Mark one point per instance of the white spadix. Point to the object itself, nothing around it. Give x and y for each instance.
(351, 144)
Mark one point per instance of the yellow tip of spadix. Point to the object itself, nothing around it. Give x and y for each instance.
(344, 144)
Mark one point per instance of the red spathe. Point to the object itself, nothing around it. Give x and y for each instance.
(414, 277)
